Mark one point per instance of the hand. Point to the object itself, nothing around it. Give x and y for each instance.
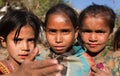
(99, 72)
(38, 68)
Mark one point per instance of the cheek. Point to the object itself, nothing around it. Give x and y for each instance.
(103, 39)
(11, 45)
(13, 50)
(84, 38)
(50, 38)
(69, 40)
(32, 46)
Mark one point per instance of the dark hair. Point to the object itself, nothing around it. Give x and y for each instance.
(16, 19)
(69, 11)
(98, 11)
(116, 39)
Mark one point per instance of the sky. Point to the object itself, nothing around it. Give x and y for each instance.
(81, 4)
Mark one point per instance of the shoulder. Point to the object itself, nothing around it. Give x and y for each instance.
(90, 59)
(116, 59)
(116, 54)
(79, 50)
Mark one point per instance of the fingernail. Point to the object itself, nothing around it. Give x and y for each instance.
(58, 74)
(55, 61)
(60, 67)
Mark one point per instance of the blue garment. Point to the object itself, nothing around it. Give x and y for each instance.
(77, 64)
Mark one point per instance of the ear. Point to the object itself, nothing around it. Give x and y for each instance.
(3, 42)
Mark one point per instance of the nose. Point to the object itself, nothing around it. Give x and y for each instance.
(93, 37)
(25, 46)
(58, 38)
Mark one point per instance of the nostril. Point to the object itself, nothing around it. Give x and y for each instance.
(27, 50)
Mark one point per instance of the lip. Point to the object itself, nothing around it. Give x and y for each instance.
(93, 45)
(59, 48)
(23, 55)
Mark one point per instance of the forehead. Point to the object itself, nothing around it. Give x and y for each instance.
(95, 23)
(59, 16)
(25, 29)
(59, 20)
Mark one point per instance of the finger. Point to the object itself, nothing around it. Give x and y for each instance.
(58, 74)
(107, 69)
(44, 63)
(51, 70)
(32, 55)
(55, 74)
(96, 70)
(94, 74)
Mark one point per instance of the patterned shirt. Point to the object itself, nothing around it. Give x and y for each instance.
(112, 61)
(76, 62)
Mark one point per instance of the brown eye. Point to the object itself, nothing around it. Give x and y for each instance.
(51, 31)
(31, 40)
(17, 40)
(100, 31)
(65, 31)
(86, 31)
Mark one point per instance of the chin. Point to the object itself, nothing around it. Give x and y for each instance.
(59, 53)
(21, 61)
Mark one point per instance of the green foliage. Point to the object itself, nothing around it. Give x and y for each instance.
(39, 7)
(117, 23)
(1, 2)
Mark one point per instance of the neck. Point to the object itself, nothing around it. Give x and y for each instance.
(14, 64)
(97, 54)
(67, 51)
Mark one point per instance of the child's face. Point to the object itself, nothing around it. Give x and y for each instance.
(95, 34)
(24, 43)
(60, 33)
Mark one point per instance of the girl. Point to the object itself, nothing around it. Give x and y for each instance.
(61, 32)
(19, 31)
(116, 55)
(117, 40)
(96, 27)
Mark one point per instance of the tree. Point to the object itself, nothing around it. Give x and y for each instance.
(39, 7)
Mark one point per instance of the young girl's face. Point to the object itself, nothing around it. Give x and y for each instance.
(24, 43)
(60, 33)
(95, 34)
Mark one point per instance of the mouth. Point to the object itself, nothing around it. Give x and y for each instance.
(93, 45)
(23, 56)
(59, 48)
